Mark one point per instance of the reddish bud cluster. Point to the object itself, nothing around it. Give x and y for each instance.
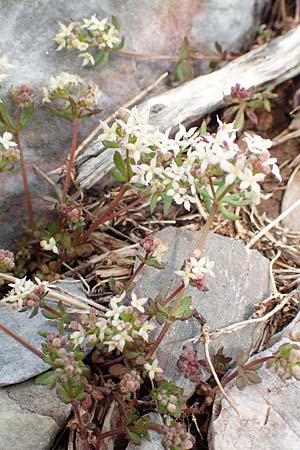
(188, 364)
(6, 260)
(237, 91)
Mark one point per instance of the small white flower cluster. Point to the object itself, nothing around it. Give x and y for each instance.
(66, 85)
(122, 324)
(196, 269)
(24, 291)
(4, 64)
(89, 33)
(50, 245)
(9, 154)
(178, 167)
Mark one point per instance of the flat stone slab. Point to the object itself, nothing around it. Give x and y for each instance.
(270, 413)
(30, 417)
(18, 364)
(241, 280)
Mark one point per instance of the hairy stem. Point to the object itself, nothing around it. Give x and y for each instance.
(21, 341)
(76, 123)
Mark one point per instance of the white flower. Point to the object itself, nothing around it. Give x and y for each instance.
(94, 24)
(78, 336)
(6, 140)
(160, 252)
(146, 172)
(235, 171)
(138, 302)
(111, 37)
(115, 308)
(145, 329)
(20, 290)
(87, 59)
(257, 144)
(119, 340)
(180, 196)
(79, 45)
(153, 370)
(50, 245)
(185, 274)
(102, 325)
(249, 180)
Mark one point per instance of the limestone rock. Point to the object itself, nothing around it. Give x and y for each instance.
(291, 195)
(30, 417)
(270, 417)
(241, 280)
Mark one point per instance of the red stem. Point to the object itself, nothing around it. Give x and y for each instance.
(52, 310)
(159, 339)
(112, 433)
(76, 123)
(81, 426)
(104, 216)
(174, 293)
(126, 208)
(137, 270)
(25, 180)
(22, 341)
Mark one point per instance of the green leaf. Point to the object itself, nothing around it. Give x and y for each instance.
(203, 127)
(152, 262)
(118, 177)
(241, 382)
(26, 117)
(46, 378)
(234, 200)
(153, 202)
(227, 214)
(160, 317)
(205, 198)
(252, 376)
(120, 164)
(119, 46)
(80, 396)
(49, 315)
(101, 59)
(64, 396)
(6, 117)
(267, 104)
(183, 72)
(239, 120)
(167, 201)
(110, 144)
(115, 22)
(184, 306)
(34, 312)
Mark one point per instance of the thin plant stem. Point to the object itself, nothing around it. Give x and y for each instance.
(24, 176)
(283, 10)
(159, 338)
(136, 271)
(107, 434)
(126, 208)
(72, 154)
(192, 57)
(104, 216)
(21, 340)
(174, 293)
(52, 310)
(81, 426)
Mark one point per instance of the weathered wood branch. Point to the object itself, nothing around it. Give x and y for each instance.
(271, 63)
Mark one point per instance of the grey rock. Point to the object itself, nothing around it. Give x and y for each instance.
(241, 280)
(291, 196)
(30, 417)
(16, 362)
(269, 413)
(46, 141)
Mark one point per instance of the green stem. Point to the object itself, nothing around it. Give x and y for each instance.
(76, 123)
(104, 216)
(21, 341)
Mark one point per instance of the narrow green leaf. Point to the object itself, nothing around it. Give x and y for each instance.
(115, 22)
(167, 201)
(239, 119)
(64, 396)
(48, 314)
(153, 202)
(26, 116)
(205, 198)
(110, 144)
(252, 376)
(183, 71)
(5, 116)
(120, 164)
(203, 127)
(119, 177)
(267, 104)
(227, 214)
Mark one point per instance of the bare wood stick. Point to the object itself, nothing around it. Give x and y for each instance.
(128, 104)
(205, 336)
(273, 63)
(272, 224)
(82, 304)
